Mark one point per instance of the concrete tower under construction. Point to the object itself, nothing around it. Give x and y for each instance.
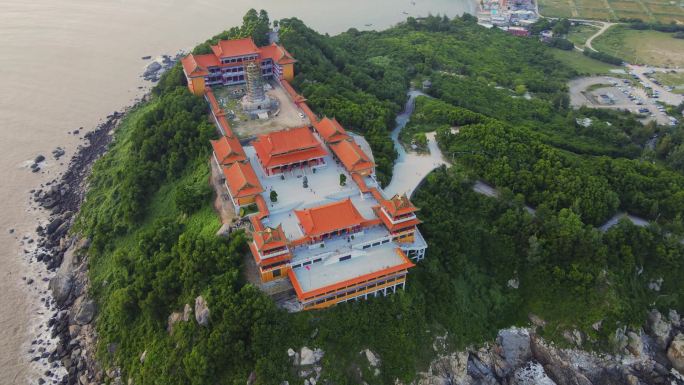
(256, 102)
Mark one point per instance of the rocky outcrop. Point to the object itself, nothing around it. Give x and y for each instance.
(202, 312)
(61, 285)
(85, 311)
(515, 345)
(447, 369)
(177, 316)
(310, 357)
(659, 328)
(520, 356)
(634, 344)
(675, 353)
(555, 366)
(373, 359)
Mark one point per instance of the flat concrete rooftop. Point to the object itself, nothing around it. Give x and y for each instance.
(331, 270)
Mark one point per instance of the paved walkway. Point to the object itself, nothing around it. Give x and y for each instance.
(411, 168)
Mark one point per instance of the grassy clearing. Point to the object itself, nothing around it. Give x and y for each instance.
(580, 33)
(612, 10)
(582, 64)
(675, 80)
(557, 8)
(642, 47)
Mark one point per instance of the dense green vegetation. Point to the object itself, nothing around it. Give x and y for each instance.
(604, 57)
(568, 272)
(362, 77)
(154, 247)
(582, 64)
(670, 145)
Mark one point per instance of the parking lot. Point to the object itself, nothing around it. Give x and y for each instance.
(619, 94)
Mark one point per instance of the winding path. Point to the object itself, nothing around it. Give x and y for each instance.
(604, 28)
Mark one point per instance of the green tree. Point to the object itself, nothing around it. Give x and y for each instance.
(274, 196)
(343, 180)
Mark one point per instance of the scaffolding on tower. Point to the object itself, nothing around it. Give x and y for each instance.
(256, 102)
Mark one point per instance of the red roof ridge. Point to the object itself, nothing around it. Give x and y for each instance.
(330, 130)
(240, 177)
(329, 217)
(235, 47)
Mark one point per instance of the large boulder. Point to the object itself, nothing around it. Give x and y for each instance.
(310, 357)
(187, 311)
(54, 225)
(515, 344)
(201, 311)
(573, 336)
(634, 344)
(85, 312)
(558, 369)
(660, 329)
(536, 320)
(675, 353)
(532, 373)
(449, 369)
(173, 319)
(61, 285)
(372, 358)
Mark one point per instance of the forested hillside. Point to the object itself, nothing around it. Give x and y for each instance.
(154, 247)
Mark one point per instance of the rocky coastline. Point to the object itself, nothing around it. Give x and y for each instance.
(72, 360)
(67, 349)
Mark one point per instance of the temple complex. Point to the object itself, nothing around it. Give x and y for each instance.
(320, 221)
(228, 62)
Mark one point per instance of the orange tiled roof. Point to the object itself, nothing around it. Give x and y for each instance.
(197, 65)
(307, 111)
(213, 103)
(352, 156)
(241, 180)
(269, 261)
(225, 126)
(360, 182)
(287, 147)
(262, 207)
(331, 130)
(270, 238)
(235, 47)
(330, 217)
(398, 205)
(392, 227)
(297, 98)
(277, 53)
(228, 150)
